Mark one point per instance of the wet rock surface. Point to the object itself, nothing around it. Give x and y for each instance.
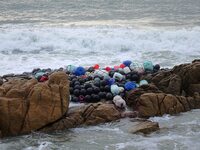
(184, 77)
(145, 127)
(132, 96)
(39, 101)
(91, 114)
(26, 105)
(158, 104)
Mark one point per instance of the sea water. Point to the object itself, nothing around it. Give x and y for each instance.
(56, 33)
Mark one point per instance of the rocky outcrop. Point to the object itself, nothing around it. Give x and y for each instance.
(145, 127)
(133, 95)
(157, 104)
(171, 91)
(91, 114)
(184, 78)
(26, 105)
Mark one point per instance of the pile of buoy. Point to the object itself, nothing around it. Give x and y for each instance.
(92, 84)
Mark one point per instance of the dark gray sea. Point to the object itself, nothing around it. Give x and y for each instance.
(56, 33)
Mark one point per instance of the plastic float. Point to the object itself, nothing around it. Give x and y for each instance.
(93, 84)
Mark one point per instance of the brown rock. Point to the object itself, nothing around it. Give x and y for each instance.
(157, 104)
(101, 113)
(168, 83)
(1, 80)
(145, 127)
(26, 105)
(91, 114)
(185, 77)
(133, 95)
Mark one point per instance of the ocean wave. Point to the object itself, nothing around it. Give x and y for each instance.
(59, 46)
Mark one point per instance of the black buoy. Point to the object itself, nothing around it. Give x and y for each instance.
(74, 80)
(77, 87)
(83, 92)
(67, 72)
(71, 84)
(109, 96)
(76, 92)
(89, 78)
(95, 98)
(88, 85)
(90, 69)
(81, 80)
(111, 73)
(74, 99)
(120, 84)
(97, 83)
(122, 94)
(102, 88)
(89, 91)
(103, 82)
(77, 83)
(87, 98)
(102, 95)
(128, 76)
(135, 77)
(71, 90)
(157, 67)
(107, 88)
(96, 90)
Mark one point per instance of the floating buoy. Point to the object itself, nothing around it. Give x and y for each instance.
(79, 71)
(109, 96)
(143, 82)
(122, 66)
(115, 90)
(116, 67)
(96, 66)
(148, 66)
(126, 70)
(130, 85)
(43, 78)
(118, 76)
(127, 62)
(71, 68)
(111, 81)
(108, 69)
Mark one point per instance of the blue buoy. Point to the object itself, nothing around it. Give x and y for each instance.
(79, 71)
(130, 85)
(127, 63)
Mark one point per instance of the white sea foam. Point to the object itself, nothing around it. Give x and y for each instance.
(24, 48)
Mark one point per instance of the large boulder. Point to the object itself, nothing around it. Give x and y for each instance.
(157, 104)
(145, 127)
(184, 78)
(91, 114)
(133, 95)
(27, 105)
(190, 75)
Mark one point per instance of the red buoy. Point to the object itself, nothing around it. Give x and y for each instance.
(122, 66)
(96, 66)
(108, 69)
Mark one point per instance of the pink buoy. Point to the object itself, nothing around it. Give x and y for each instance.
(116, 67)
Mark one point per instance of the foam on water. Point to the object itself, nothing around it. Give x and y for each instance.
(23, 48)
(176, 132)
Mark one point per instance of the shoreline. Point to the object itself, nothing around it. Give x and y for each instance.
(163, 95)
